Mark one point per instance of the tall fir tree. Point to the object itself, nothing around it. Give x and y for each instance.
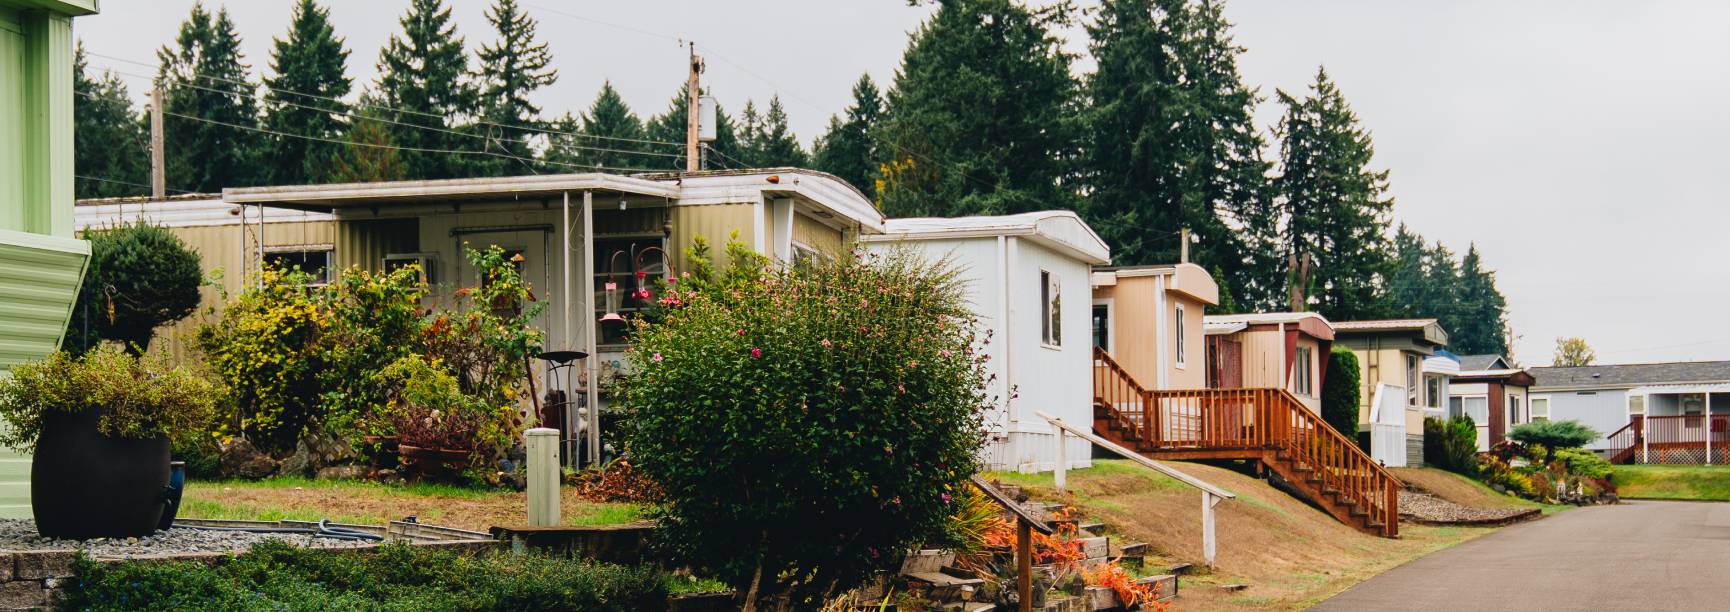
(845, 149)
(1172, 143)
(750, 128)
(724, 152)
(1336, 208)
(981, 119)
(304, 98)
(1483, 323)
(608, 137)
(511, 69)
(108, 137)
(370, 156)
(777, 146)
(211, 121)
(424, 80)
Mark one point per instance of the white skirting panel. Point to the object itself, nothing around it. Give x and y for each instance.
(1033, 452)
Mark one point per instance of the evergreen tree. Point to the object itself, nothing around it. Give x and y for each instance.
(511, 69)
(776, 145)
(311, 61)
(750, 136)
(423, 78)
(1172, 142)
(109, 141)
(1336, 208)
(725, 151)
(608, 137)
(203, 78)
(845, 149)
(981, 118)
(370, 156)
(1482, 327)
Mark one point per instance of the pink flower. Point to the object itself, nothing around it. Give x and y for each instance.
(827, 344)
(756, 352)
(656, 358)
(741, 331)
(945, 498)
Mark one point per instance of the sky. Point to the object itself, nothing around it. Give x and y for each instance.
(1570, 141)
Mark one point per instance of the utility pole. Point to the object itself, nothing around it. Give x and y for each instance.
(158, 157)
(1183, 245)
(693, 114)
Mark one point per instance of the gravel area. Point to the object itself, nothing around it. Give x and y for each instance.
(20, 534)
(1426, 507)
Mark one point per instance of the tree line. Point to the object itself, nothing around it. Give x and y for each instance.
(985, 115)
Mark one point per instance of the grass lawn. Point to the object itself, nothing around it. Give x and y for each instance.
(1290, 554)
(1466, 491)
(1687, 482)
(375, 504)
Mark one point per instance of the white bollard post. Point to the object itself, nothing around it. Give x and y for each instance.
(1207, 535)
(1062, 460)
(542, 444)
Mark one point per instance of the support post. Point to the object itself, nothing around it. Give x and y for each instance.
(1708, 395)
(158, 157)
(1207, 533)
(1024, 564)
(1060, 476)
(593, 363)
(542, 444)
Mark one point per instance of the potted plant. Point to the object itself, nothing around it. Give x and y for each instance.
(438, 429)
(99, 426)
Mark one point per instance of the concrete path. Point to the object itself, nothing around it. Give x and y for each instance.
(1638, 555)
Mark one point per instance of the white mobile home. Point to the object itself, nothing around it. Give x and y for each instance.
(1021, 270)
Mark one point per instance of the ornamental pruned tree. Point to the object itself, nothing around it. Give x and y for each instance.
(807, 425)
(982, 117)
(845, 149)
(211, 116)
(304, 98)
(140, 277)
(1336, 208)
(424, 82)
(1554, 435)
(107, 134)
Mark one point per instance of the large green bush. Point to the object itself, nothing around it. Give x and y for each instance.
(1452, 444)
(140, 277)
(276, 576)
(1341, 392)
(1554, 435)
(807, 425)
(265, 347)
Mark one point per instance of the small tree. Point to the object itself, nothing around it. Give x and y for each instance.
(1342, 392)
(1572, 352)
(1554, 435)
(809, 424)
(140, 277)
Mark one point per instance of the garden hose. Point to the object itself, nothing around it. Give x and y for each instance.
(324, 530)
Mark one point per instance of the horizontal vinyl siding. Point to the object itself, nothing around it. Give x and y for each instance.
(39, 288)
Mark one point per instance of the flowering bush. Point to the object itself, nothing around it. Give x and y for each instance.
(807, 425)
(487, 341)
(265, 348)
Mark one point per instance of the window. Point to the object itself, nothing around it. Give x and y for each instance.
(1478, 409)
(1636, 404)
(314, 261)
(1412, 380)
(625, 268)
(1433, 392)
(1693, 405)
(1540, 406)
(804, 254)
(1177, 314)
(1301, 369)
(1102, 326)
(1514, 417)
(1456, 407)
(1051, 309)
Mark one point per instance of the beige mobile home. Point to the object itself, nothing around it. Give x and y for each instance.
(1149, 318)
(1285, 350)
(1391, 353)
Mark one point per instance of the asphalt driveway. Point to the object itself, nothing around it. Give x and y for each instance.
(1638, 555)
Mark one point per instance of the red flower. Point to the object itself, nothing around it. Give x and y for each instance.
(756, 352)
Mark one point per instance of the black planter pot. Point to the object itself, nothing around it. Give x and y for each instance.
(86, 485)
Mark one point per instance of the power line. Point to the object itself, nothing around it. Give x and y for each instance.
(120, 182)
(539, 130)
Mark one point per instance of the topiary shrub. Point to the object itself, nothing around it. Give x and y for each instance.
(140, 277)
(1342, 392)
(807, 425)
(1554, 435)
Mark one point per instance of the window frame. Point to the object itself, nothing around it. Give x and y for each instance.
(325, 273)
(1050, 309)
(649, 239)
(1181, 355)
(1414, 376)
(1303, 371)
(1532, 407)
(1110, 333)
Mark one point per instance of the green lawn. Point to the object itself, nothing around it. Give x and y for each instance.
(349, 501)
(1686, 482)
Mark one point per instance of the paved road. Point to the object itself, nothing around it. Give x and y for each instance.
(1640, 555)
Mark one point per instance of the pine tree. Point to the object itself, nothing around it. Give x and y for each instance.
(1483, 324)
(370, 156)
(304, 98)
(750, 136)
(724, 153)
(1336, 208)
(981, 118)
(609, 138)
(845, 149)
(211, 119)
(777, 147)
(511, 69)
(109, 141)
(423, 78)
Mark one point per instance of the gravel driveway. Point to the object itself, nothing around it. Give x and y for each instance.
(1640, 555)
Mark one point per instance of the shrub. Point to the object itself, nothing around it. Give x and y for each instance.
(276, 576)
(265, 348)
(140, 277)
(368, 322)
(428, 410)
(488, 340)
(142, 397)
(1584, 463)
(809, 424)
(1341, 392)
(1452, 444)
(1496, 471)
(1554, 435)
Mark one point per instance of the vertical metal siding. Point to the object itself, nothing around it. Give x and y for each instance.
(810, 232)
(715, 223)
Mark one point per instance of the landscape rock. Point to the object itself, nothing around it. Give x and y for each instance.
(342, 472)
(36, 557)
(240, 459)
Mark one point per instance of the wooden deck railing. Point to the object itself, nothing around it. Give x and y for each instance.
(1625, 442)
(1246, 419)
(1673, 433)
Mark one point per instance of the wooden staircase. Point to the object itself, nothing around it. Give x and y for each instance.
(1626, 441)
(1267, 425)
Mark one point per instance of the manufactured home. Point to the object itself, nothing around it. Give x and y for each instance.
(1391, 353)
(1658, 413)
(1285, 350)
(1495, 395)
(1149, 319)
(1019, 270)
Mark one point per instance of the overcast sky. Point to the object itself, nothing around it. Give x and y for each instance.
(1578, 144)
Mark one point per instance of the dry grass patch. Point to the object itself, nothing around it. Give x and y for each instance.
(373, 503)
(1290, 554)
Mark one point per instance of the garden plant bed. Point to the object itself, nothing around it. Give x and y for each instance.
(1426, 509)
